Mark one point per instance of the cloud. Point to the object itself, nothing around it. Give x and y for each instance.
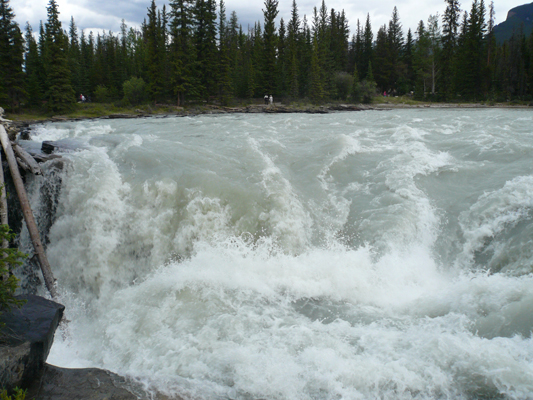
(99, 15)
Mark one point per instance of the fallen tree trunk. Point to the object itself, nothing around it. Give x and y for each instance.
(29, 163)
(3, 212)
(28, 214)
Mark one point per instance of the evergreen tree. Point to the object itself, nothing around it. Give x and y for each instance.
(366, 56)
(155, 43)
(224, 81)
(182, 56)
(283, 63)
(292, 50)
(60, 95)
(356, 92)
(316, 76)
(305, 52)
(383, 61)
(408, 83)
(395, 39)
(205, 46)
(74, 57)
(11, 58)
(491, 50)
(450, 26)
(472, 60)
(33, 68)
(427, 55)
(434, 37)
(270, 39)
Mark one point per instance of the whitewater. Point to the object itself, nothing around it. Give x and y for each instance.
(353, 255)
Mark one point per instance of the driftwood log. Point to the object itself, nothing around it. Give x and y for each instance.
(27, 162)
(28, 214)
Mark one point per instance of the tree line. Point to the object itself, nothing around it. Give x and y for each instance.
(193, 51)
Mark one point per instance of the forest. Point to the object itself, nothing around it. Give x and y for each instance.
(194, 52)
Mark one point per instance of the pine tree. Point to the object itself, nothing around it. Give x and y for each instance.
(11, 58)
(450, 26)
(182, 51)
(283, 64)
(383, 61)
(491, 50)
(408, 61)
(395, 39)
(60, 95)
(224, 82)
(356, 91)
(366, 56)
(206, 64)
(154, 36)
(33, 68)
(316, 76)
(471, 59)
(270, 39)
(293, 38)
(74, 57)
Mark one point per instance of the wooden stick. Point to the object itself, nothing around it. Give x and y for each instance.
(3, 198)
(28, 214)
(3, 211)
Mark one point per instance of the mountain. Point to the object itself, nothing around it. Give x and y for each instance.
(516, 17)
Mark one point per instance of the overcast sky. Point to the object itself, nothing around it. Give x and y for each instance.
(97, 15)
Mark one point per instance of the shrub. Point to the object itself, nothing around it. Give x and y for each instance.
(102, 94)
(8, 282)
(18, 394)
(343, 84)
(134, 90)
(364, 92)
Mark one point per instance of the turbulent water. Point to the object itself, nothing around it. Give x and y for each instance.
(342, 256)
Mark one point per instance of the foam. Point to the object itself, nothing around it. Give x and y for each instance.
(302, 260)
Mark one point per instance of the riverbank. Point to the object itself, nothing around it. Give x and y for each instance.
(84, 111)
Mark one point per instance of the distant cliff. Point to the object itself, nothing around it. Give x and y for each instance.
(516, 17)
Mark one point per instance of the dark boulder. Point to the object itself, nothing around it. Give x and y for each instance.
(63, 145)
(26, 339)
(89, 384)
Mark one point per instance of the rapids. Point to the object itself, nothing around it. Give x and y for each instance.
(343, 256)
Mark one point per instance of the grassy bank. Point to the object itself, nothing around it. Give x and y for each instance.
(96, 110)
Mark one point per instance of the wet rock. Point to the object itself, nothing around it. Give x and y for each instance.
(88, 384)
(49, 146)
(122, 116)
(26, 339)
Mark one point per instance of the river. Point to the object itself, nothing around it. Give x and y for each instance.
(354, 255)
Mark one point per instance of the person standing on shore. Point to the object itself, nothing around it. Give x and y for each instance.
(271, 100)
(266, 99)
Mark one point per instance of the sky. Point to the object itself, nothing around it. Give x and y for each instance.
(99, 15)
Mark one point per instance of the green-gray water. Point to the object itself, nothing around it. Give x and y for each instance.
(342, 256)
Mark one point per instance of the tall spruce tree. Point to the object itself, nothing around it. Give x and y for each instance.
(283, 63)
(366, 56)
(74, 57)
(450, 26)
(408, 83)
(182, 55)
(205, 15)
(59, 95)
(224, 78)
(293, 37)
(155, 42)
(383, 60)
(396, 43)
(270, 39)
(33, 68)
(472, 55)
(11, 58)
